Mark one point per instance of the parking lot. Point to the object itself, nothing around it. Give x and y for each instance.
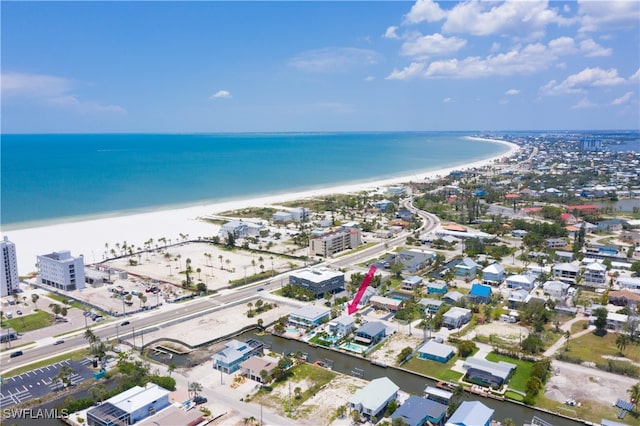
(41, 381)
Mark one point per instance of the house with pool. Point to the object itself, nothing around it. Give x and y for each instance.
(309, 316)
(371, 333)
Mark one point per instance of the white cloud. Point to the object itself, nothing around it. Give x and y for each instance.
(415, 69)
(578, 83)
(584, 103)
(592, 49)
(424, 10)
(605, 15)
(50, 90)
(635, 77)
(512, 92)
(391, 32)
(369, 78)
(334, 59)
(622, 99)
(220, 94)
(434, 44)
(495, 47)
(448, 100)
(528, 18)
(562, 46)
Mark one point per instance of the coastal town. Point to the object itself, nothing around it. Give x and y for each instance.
(499, 294)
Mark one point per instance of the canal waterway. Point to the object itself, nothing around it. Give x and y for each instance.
(359, 367)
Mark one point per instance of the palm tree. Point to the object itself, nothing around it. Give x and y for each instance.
(170, 368)
(34, 299)
(220, 258)
(195, 388)
(634, 393)
(64, 375)
(55, 308)
(90, 336)
(621, 342)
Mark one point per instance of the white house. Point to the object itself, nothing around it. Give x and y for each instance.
(342, 325)
(372, 399)
(524, 281)
(456, 317)
(567, 272)
(595, 274)
(556, 289)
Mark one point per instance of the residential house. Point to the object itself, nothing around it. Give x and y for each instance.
(624, 298)
(488, 372)
(493, 274)
(567, 272)
(252, 367)
(479, 293)
(615, 322)
(383, 205)
(234, 353)
(240, 229)
(456, 317)
(517, 298)
(342, 325)
(595, 274)
(553, 243)
(610, 225)
(412, 260)
(471, 413)
(309, 316)
(371, 333)
(437, 288)
(436, 351)
(438, 395)
(518, 233)
(404, 214)
(564, 256)
(466, 268)
(452, 297)
(382, 302)
(372, 399)
(411, 283)
(130, 406)
(430, 306)
(524, 281)
(628, 283)
(556, 289)
(417, 411)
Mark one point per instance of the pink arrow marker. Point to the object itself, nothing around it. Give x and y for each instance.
(353, 306)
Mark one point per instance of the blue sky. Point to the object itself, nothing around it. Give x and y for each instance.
(319, 66)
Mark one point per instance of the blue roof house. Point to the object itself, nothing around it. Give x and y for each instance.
(466, 268)
(479, 293)
(383, 205)
(488, 372)
(436, 351)
(371, 333)
(471, 413)
(417, 411)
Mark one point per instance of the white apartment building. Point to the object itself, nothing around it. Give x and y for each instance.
(61, 270)
(9, 279)
(334, 242)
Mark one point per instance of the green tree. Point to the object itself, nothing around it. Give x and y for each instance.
(601, 321)
(34, 299)
(532, 344)
(297, 392)
(264, 375)
(621, 342)
(195, 388)
(404, 354)
(171, 368)
(64, 375)
(466, 348)
(634, 394)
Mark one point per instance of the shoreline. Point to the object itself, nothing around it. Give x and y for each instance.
(87, 236)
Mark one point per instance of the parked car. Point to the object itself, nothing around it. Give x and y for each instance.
(9, 315)
(200, 400)
(58, 342)
(125, 323)
(99, 318)
(19, 312)
(15, 354)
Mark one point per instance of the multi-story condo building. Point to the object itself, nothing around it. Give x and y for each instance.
(61, 270)
(334, 242)
(9, 279)
(318, 280)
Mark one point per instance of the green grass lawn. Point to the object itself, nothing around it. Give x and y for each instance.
(63, 299)
(520, 377)
(578, 326)
(34, 321)
(434, 368)
(592, 348)
(514, 396)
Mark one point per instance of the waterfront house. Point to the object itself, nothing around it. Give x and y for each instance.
(479, 293)
(371, 333)
(417, 411)
(342, 325)
(234, 353)
(437, 288)
(436, 351)
(466, 268)
(252, 367)
(430, 306)
(452, 297)
(471, 413)
(438, 395)
(566, 272)
(309, 316)
(237, 228)
(609, 225)
(524, 281)
(411, 283)
(493, 274)
(372, 399)
(488, 372)
(456, 317)
(130, 406)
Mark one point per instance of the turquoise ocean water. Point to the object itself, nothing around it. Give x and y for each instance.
(57, 177)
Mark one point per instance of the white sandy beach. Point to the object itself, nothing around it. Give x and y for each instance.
(88, 237)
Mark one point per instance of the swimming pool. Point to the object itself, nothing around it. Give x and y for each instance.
(354, 347)
(293, 330)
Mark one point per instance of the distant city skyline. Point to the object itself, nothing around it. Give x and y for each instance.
(173, 67)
